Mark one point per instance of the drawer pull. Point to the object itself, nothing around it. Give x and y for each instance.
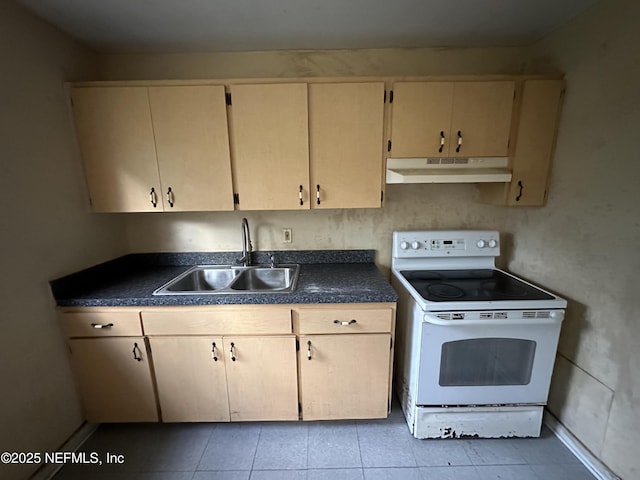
(344, 324)
(137, 354)
(214, 356)
(232, 352)
(309, 350)
(102, 325)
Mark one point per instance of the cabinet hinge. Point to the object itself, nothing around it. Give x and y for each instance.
(227, 98)
(385, 97)
(297, 345)
(381, 196)
(389, 146)
(391, 343)
(299, 408)
(391, 96)
(236, 199)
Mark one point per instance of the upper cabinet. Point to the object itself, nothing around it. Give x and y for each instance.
(270, 146)
(114, 129)
(192, 145)
(149, 149)
(297, 146)
(535, 135)
(346, 123)
(451, 119)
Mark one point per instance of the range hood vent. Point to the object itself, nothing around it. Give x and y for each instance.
(448, 170)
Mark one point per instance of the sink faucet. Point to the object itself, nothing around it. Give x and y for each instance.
(246, 244)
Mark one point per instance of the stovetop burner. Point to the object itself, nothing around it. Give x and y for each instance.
(445, 291)
(471, 285)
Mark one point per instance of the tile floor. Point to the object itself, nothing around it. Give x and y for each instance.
(358, 450)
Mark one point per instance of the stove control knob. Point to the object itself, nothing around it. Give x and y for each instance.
(415, 245)
(481, 243)
(404, 245)
(493, 243)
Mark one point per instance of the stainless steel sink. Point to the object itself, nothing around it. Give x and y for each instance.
(224, 279)
(259, 279)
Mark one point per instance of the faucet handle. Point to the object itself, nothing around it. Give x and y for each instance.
(272, 259)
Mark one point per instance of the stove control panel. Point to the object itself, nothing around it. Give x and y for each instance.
(452, 243)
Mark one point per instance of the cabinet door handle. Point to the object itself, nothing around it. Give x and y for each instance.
(344, 324)
(442, 139)
(459, 141)
(300, 196)
(102, 325)
(232, 352)
(318, 194)
(137, 354)
(520, 192)
(153, 197)
(170, 197)
(214, 355)
(309, 350)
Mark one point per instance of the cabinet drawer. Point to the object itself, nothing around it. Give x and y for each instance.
(223, 320)
(343, 320)
(101, 324)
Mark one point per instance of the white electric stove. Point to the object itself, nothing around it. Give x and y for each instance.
(475, 345)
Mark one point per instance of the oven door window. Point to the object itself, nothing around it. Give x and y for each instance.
(487, 361)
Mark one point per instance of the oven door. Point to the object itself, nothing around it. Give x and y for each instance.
(487, 362)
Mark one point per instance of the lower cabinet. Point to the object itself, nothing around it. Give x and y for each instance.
(216, 379)
(191, 378)
(344, 376)
(114, 379)
(345, 360)
(232, 363)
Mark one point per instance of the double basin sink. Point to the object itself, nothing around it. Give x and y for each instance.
(225, 279)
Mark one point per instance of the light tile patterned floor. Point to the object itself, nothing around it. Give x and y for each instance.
(350, 450)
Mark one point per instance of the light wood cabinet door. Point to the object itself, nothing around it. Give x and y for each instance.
(481, 119)
(535, 140)
(451, 119)
(114, 379)
(192, 144)
(190, 377)
(421, 119)
(344, 376)
(270, 146)
(262, 378)
(345, 144)
(114, 129)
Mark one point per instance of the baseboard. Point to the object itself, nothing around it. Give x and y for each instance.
(588, 459)
(76, 440)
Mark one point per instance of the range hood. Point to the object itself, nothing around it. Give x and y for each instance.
(448, 170)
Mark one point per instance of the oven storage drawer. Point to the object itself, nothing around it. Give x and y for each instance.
(346, 319)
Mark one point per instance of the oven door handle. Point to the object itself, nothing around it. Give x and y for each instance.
(555, 318)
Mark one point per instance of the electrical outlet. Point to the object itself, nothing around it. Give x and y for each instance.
(286, 235)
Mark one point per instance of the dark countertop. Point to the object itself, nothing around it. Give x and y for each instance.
(342, 276)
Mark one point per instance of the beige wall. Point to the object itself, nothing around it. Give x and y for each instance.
(47, 231)
(592, 221)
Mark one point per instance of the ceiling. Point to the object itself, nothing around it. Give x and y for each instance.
(127, 26)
